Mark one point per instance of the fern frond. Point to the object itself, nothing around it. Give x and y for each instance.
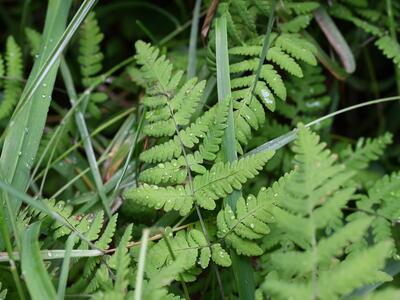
(308, 97)
(177, 198)
(3, 292)
(365, 151)
(248, 224)
(284, 52)
(308, 199)
(223, 178)
(120, 262)
(189, 136)
(14, 76)
(390, 48)
(34, 39)
(90, 59)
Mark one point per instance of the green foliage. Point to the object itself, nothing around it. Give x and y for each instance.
(308, 200)
(305, 223)
(11, 76)
(248, 224)
(90, 60)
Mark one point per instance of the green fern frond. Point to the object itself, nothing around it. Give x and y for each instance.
(390, 48)
(34, 39)
(14, 76)
(365, 151)
(223, 178)
(120, 262)
(248, 224)
(175, 171)
(90, 59)
(190, 244)
(189, 136)
(3, 292)
(214, 184)
(307, 96)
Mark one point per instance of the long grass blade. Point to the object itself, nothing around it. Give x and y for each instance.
(286, 138)
(191, 70)
(85, 136)
(241, 266)
(141, 264)
(62, 282)
(26, 127)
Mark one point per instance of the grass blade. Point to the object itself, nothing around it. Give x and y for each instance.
(191, 70)
(85, 136)
(141, 264)
(241, 266)
(26, 126)
(36, 277)
(286, 138)
(62, 283)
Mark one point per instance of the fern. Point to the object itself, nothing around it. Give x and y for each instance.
(307, 200)
(13, 77)
(240, 230)
(284, 52)
(3, 293)
(90, 59)
(365, 151)
(189, 246)
(308, 97)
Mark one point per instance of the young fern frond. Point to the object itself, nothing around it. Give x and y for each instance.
(90, 59)
(34, 39)
(241, 229)
(13, 77)
(164, 97)
(308, 199)
(89, 282)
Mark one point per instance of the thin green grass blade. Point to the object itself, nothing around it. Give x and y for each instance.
(286, 138)
(191, 69)
(85, 136)
(62, 282)
(241, 266)
(37, 279)
(26, 127)
(141, 264)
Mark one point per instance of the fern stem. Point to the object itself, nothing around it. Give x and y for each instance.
(393, 34)
(198, 212)
(242, 269)
(141, 264)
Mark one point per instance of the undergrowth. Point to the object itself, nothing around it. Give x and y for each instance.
(254, 175)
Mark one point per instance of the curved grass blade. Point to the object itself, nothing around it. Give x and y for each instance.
(286, 138)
